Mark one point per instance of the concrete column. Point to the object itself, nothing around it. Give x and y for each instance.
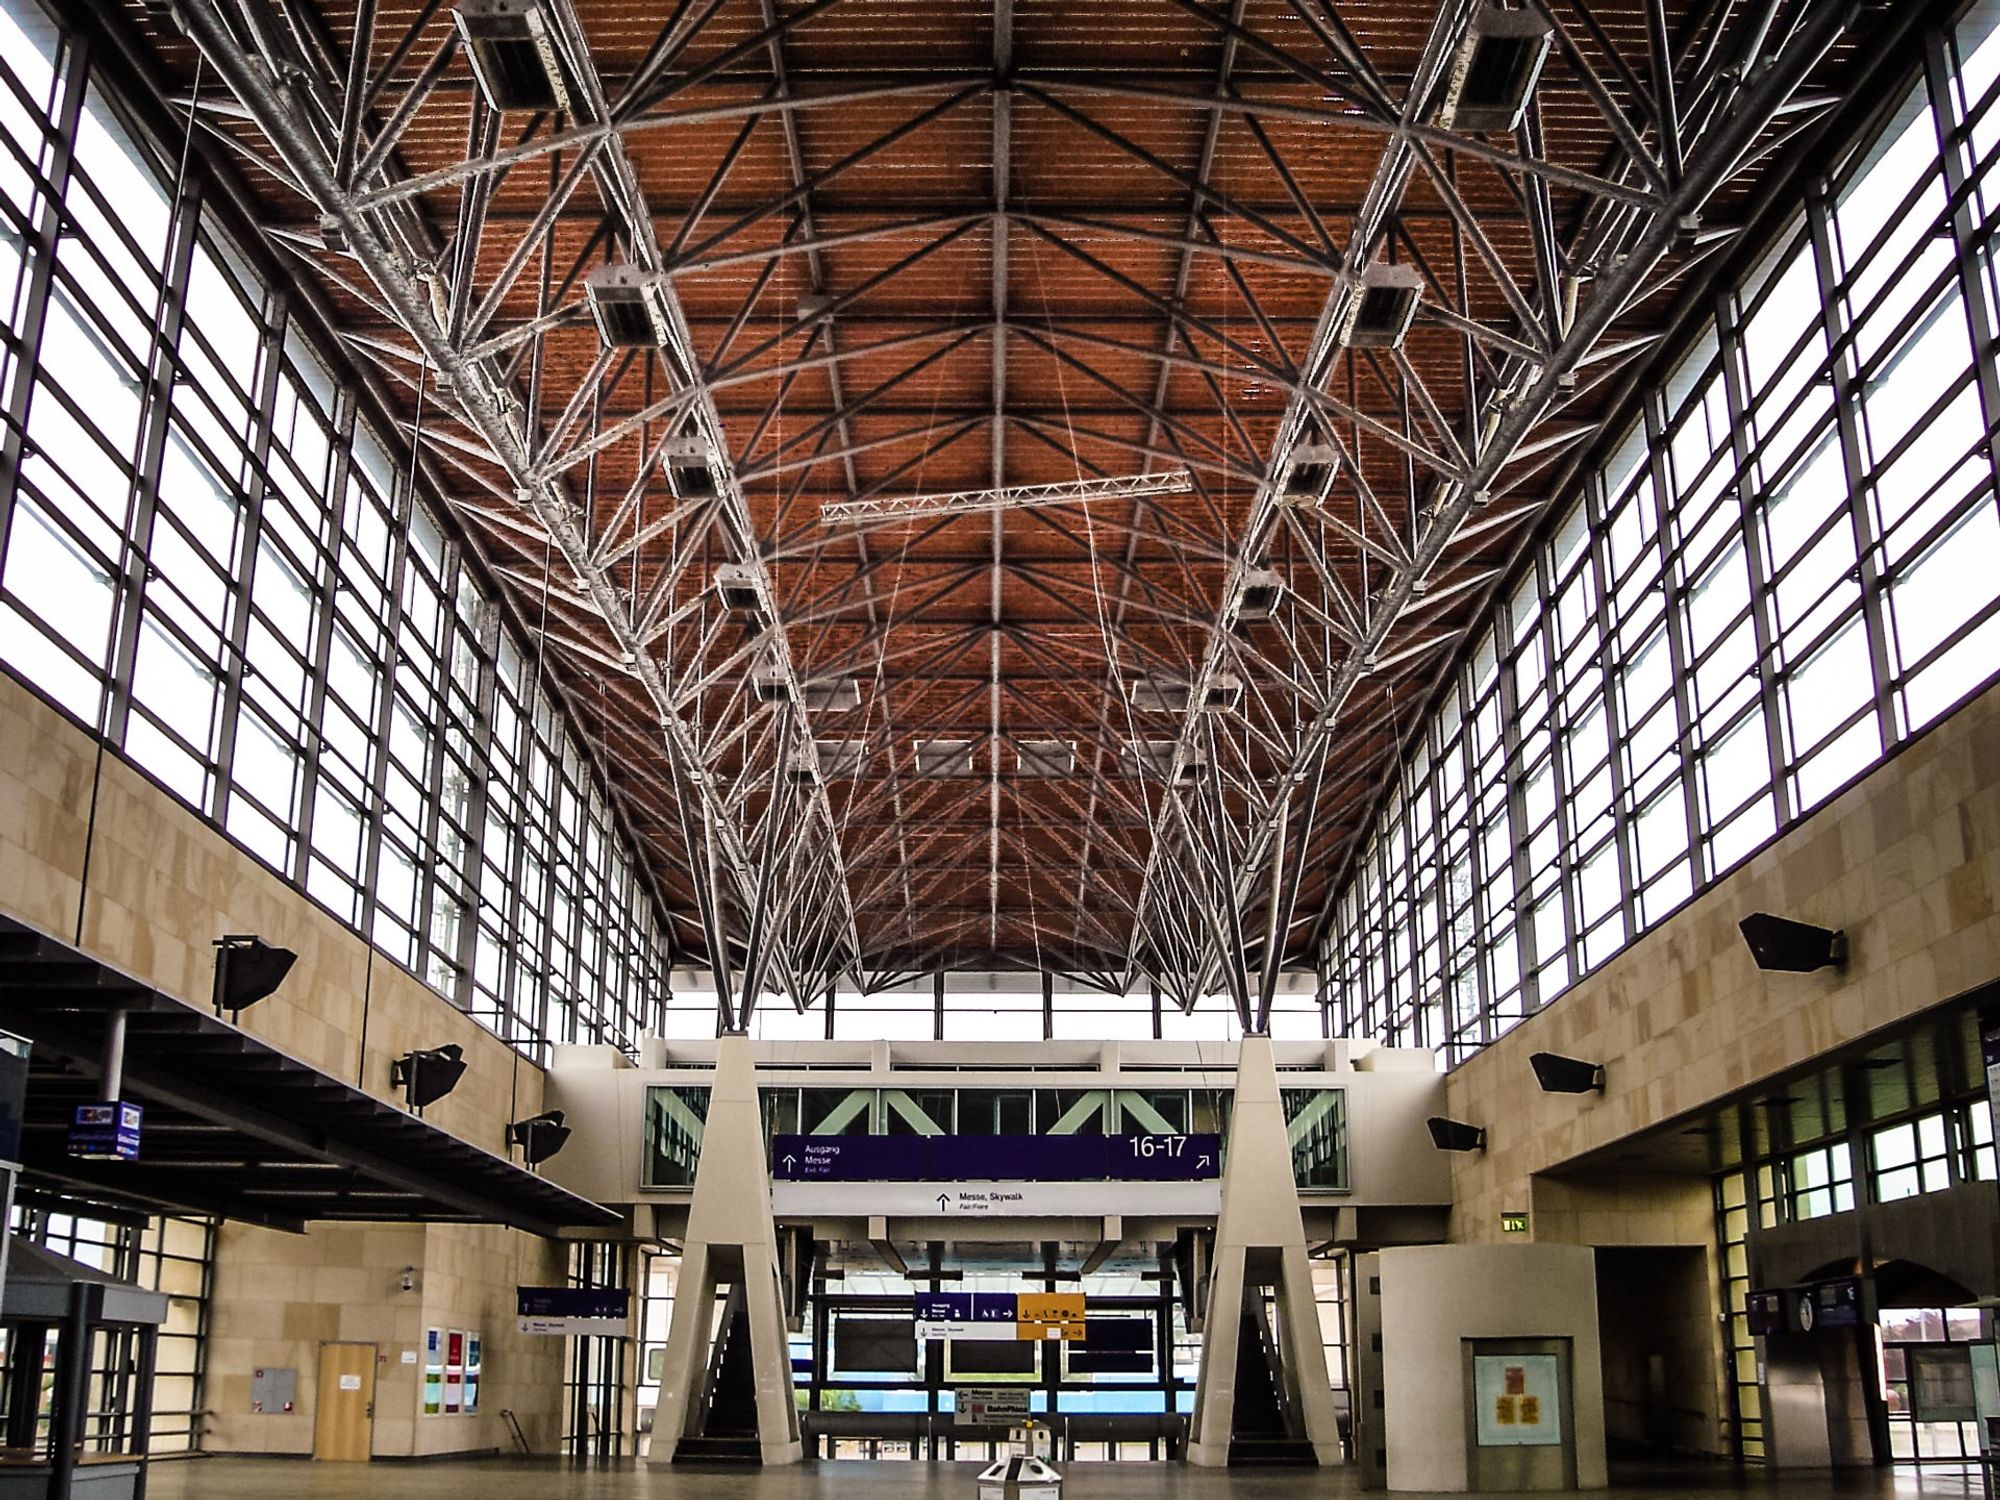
(1260, 1241)
(730, 1234)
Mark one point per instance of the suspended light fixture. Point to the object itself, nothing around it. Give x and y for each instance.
(736, 587)
(629, 305)
(1046, 759)
(1309, 475)
(1147, 695)
(1156, 758)
(1382, 307)
(1495, 70)
(941, 758)
(511, 46)
(1258, 594)
(688, 468)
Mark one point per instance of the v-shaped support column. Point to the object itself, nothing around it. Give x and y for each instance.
(731, 1239)
(1260, 1241)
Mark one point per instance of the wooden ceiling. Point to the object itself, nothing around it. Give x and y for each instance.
(914, 246)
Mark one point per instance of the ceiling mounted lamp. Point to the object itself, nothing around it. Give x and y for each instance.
(1146, 695)
(1382, 307)
(511, 46)
(1780, 944)
(942, 758)
(736, 588)
(1046, 760)
(827, 760)
(629, 305)
(539, 1136)
(1495, 70)
(1309, 475)
(247, 969)
(829, 695)
(426, 1076)
(1257, 596)
(1156, 758)
(1566, 1075)
(688, 468)
(1455, 1135)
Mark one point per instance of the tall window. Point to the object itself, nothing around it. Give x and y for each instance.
(1784, 569)
(211, 557)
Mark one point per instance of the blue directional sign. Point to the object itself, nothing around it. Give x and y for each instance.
(105, 1132)
(1166, 1158)
(997, 1158)
(851, 1158)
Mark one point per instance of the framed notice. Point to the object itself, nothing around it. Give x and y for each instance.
(473, 1358)
(433, 1371)
(454, 1372)
(1518, 1399)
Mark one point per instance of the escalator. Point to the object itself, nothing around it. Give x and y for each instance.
(1265, 1430)
(725, 1425)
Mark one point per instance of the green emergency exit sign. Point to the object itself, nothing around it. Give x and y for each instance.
(1513, 1223)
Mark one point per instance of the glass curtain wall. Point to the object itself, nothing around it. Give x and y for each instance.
(1782, 571)
(213, 559)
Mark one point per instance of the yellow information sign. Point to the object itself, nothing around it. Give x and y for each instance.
(1049, 1315)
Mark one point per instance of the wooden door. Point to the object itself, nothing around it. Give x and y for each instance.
(344, 1419)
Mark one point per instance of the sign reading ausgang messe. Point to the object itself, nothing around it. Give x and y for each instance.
(996, 1158)
(555, 1310)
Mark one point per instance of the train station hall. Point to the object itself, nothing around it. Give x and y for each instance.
(933, 749)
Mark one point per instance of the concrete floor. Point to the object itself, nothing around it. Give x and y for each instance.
(544, 1479)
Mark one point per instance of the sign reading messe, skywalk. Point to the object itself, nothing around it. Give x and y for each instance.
(996, 1158)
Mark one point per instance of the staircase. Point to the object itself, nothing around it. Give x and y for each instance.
(1264, 1431)
(726, 1418)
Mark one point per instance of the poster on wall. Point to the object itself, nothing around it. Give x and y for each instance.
(454, 1372)
(1517, 1400)
(472, 1363)
(433, 1371)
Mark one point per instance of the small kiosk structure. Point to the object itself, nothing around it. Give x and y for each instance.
(85, 1432)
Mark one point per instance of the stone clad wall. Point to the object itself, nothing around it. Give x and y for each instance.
(158, 886)
(279, 1296)
(1907, 861)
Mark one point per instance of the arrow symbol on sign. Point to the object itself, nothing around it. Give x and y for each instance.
(789, 1159)
(944, 1201)
(1203, 1161)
